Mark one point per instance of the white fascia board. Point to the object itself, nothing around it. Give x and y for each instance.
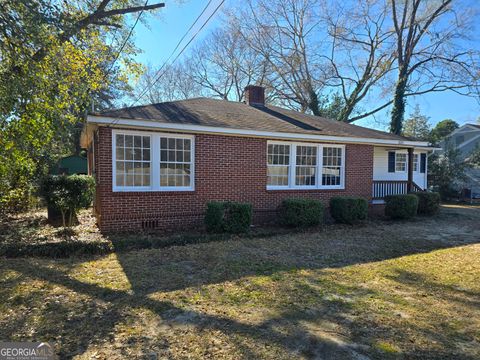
(152, 125)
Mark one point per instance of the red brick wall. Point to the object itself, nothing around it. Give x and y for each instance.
(226, 168)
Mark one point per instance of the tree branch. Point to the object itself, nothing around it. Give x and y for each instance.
(93, 19)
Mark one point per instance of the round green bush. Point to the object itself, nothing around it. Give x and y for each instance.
(227, 216)
(301, 212)
(401, 206)
(428, 202)
(348, 210)
(68, 194)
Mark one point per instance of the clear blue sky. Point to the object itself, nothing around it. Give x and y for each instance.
(162, 33)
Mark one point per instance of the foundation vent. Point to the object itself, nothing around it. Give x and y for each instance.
(149, 224)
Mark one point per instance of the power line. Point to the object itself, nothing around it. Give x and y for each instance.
(126, 40)
(107, 73)
(183, 49)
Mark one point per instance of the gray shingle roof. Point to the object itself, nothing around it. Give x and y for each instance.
(236, 115)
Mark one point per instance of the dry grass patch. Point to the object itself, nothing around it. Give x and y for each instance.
(381, 290)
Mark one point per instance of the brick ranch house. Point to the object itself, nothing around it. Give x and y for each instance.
(156, 166)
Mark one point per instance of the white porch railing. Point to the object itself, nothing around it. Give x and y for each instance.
(382, 188)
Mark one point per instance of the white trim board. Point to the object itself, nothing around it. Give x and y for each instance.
(152, 125)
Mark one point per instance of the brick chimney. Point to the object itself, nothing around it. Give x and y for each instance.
(255, 95)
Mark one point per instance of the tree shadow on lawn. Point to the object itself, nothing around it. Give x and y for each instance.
(94, 322)
(92, 312)
(177, 268)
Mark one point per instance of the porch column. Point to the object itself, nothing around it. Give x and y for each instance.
(410, 170)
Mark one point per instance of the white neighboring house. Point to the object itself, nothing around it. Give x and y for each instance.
(466, 139)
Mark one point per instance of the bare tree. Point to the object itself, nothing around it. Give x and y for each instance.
(223, 64)
(283, 32)
(173, 82)
(361, 52)
(433, 53)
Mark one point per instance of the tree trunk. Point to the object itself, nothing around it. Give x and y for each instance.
(63, 218)
(398, 111)
(346, 111)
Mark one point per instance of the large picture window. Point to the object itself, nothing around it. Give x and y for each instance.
(152, 161)
(278, 161)
(305, 166)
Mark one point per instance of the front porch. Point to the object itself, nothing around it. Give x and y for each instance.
(398, 171)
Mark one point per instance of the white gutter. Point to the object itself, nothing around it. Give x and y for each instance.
(146, 124)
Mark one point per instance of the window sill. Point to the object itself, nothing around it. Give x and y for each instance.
(142, 189)
(304, 188)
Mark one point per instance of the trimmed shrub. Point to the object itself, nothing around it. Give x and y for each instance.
(228, 217)
(214, 216)
(348, 210)
(428, 202)
(301, 212)
(401, 206)
(68, 194)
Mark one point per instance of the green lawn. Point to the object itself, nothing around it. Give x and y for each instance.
(382, 290)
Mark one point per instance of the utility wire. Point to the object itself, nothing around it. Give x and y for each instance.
(117, 56)
(182, 50)
(181, 40)
(126, 40)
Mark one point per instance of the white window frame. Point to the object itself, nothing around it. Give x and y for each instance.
(317, 168)
(154, 162)
(288, 166)
(396, 161)
(318, 171)
(416, 163)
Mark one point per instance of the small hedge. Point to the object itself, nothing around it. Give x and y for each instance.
(428, 202)
(348, 210)
(301, 212)
(401, 206)
(230, 217)
(68, 194)
(62, 249)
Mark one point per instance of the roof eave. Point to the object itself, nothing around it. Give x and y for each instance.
(152, 125)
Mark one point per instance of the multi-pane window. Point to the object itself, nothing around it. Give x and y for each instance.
(400, 162)
(132, 160)
(305, 165)
(415, 162)
(278, 160)
(175, 162)
(152, 161)
(332, 166)
(293, 165)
